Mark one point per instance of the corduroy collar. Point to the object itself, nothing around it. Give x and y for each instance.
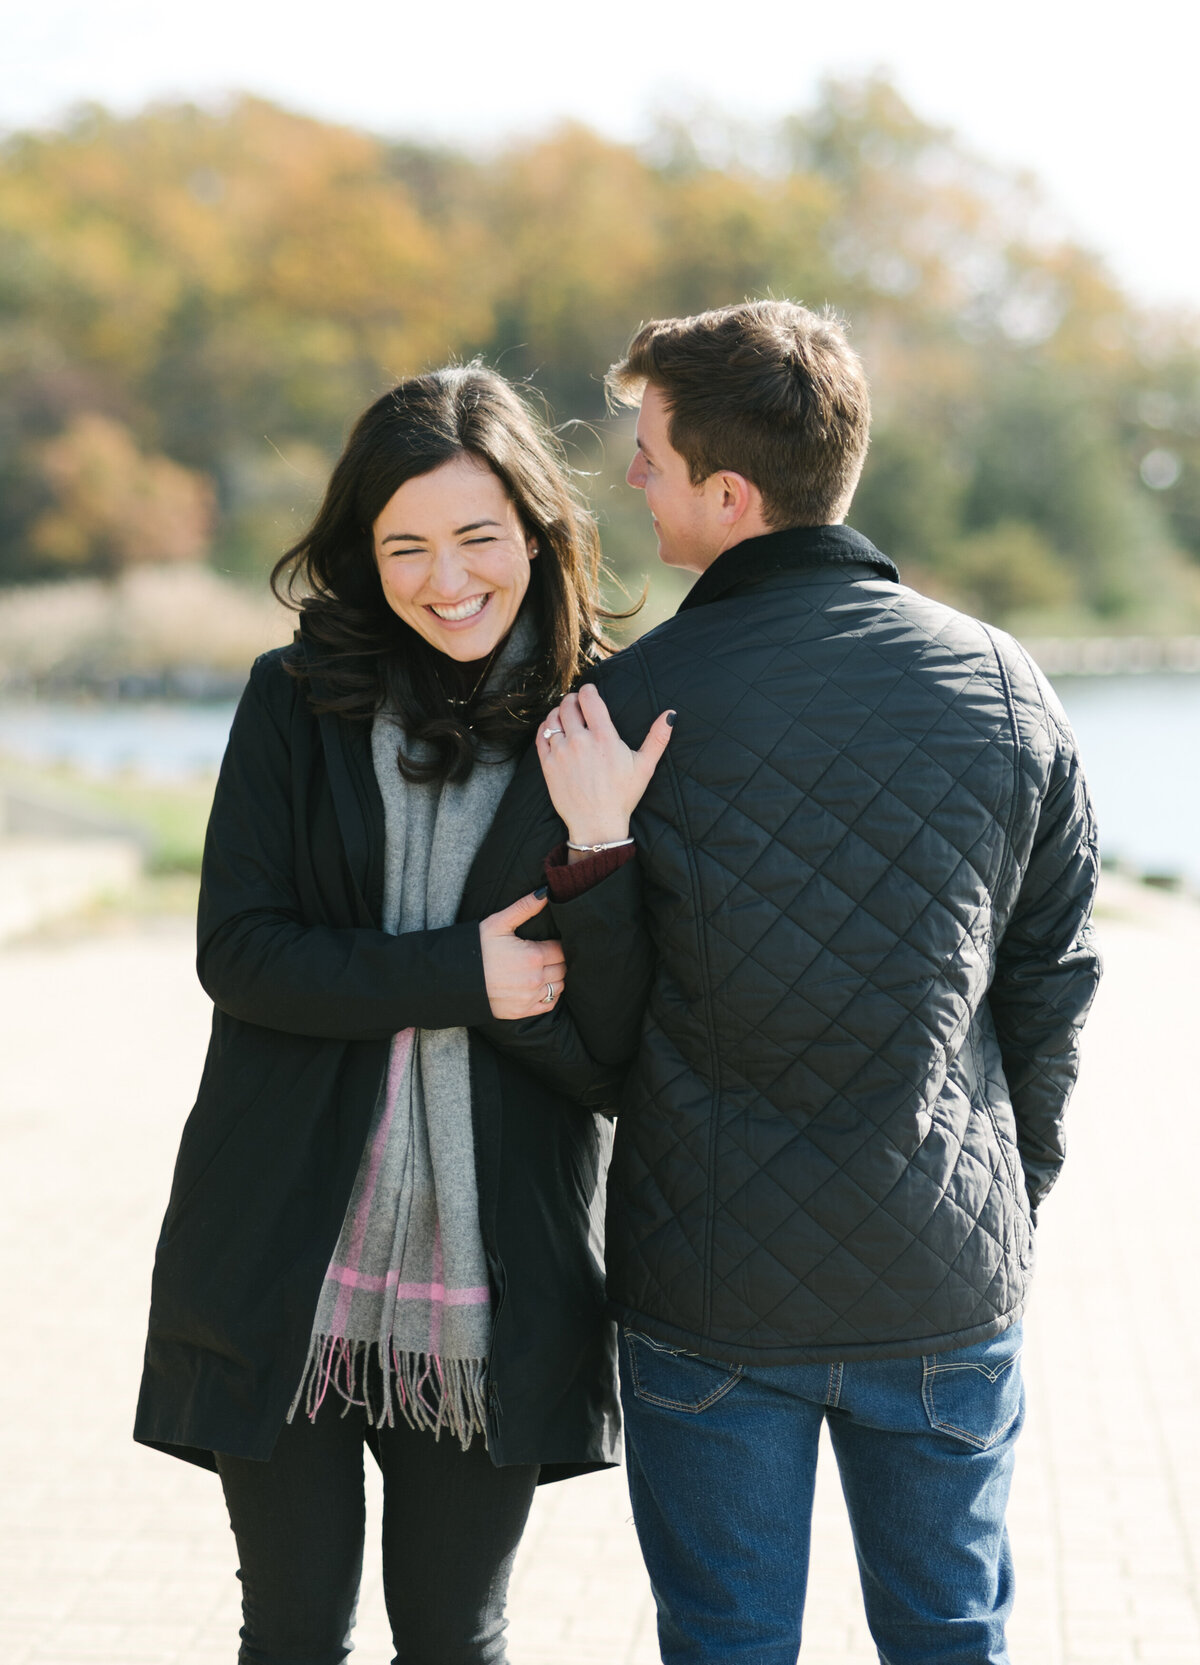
(786, 551)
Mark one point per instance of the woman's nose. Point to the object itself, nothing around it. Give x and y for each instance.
(447, 574)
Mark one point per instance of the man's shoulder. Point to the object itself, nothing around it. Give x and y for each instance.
(923, 636)
(1019, 686)
(628, 668)
(879, 608)
(1028, 686)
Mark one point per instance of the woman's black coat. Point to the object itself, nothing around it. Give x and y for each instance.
(308, 991)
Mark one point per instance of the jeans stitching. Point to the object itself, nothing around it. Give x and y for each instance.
(834, 1390)
(935, 1369)
(648, 1398)
(931, 1368)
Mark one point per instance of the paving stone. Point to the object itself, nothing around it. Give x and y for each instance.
(110, 1555)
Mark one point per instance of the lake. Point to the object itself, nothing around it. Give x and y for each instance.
(164, 741)
(1139, 736)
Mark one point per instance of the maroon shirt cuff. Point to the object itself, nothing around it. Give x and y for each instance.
(566, 882)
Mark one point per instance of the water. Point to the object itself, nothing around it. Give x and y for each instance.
(1139, 737)
(160, 741)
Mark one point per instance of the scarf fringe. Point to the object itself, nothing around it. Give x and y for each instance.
(429, 1392)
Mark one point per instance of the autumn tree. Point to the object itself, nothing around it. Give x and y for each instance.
(115, 507)
(197, 301)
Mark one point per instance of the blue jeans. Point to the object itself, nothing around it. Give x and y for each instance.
(722, 1461)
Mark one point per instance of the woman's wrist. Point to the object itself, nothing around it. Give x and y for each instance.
(587, 834)
(576, 853)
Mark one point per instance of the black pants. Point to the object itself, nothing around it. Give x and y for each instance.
(451, 1525)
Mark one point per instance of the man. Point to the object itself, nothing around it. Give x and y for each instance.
(868, 860)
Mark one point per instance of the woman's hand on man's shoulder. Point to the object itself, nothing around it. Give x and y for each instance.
(594, 779)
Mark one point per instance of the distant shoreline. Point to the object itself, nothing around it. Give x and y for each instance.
(1115, 655)
(1057, 656)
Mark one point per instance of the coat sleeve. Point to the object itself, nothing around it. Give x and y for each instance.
(604, 930)
(1047, 969)
(259, 958)
(585, 1045)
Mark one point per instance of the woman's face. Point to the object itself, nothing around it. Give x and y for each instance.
(453, 558)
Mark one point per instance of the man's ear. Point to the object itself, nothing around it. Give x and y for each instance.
(738, 497)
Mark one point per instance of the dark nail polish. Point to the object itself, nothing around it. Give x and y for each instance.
(544, 891)
(670, 719)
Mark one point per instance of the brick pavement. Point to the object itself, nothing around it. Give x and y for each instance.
(117, 1555)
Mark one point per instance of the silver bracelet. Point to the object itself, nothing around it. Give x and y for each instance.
(598, 849)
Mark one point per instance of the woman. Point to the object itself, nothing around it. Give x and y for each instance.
(378, 1231)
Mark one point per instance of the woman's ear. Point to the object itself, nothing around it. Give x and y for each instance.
(531, 546)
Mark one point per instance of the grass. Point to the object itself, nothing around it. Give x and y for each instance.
(168, 818)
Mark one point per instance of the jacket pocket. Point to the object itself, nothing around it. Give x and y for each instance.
(674, 1378)
(975, 1393)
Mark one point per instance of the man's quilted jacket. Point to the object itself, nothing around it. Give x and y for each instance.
(868, 861)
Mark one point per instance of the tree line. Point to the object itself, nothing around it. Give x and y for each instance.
(195, 302)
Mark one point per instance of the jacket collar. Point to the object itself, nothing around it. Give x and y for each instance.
(792, 550)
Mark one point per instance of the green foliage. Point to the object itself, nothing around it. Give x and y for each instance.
(909, 501)
(169, 819)
(206, 298)
(1012, 569)
(1046, 459)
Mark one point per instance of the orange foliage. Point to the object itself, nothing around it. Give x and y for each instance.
(116, 507)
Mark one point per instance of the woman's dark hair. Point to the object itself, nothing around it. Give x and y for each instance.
(368, 656)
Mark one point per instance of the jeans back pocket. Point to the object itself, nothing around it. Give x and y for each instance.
(975, 1393)
(674, 1378)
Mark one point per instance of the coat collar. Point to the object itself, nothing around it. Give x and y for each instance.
(791, 550)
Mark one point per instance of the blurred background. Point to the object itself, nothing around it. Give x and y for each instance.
(223, 230)
(217, 245)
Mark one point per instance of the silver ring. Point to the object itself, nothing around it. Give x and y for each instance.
(548, 997)
(549, 733)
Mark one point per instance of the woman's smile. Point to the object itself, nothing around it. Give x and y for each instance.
(460, 611)
(453, 558)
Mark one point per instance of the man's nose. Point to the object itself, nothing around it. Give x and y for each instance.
(635, 474)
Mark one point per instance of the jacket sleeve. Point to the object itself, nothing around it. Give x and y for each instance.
(1047, 970)
(585, 1045)
(259, 958)
(609, 963)
(605, 931)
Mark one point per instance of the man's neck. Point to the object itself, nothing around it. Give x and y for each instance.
(749, 526)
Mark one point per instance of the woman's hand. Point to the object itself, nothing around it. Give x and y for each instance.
(520, 975)
(594, 779)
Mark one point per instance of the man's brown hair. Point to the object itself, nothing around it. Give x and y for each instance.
(767, 389)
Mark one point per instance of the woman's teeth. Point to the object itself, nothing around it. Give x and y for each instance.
(464, 610)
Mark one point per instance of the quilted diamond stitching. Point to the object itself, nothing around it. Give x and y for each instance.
(872, 945)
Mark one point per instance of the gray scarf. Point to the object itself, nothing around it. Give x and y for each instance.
(404, 1317)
